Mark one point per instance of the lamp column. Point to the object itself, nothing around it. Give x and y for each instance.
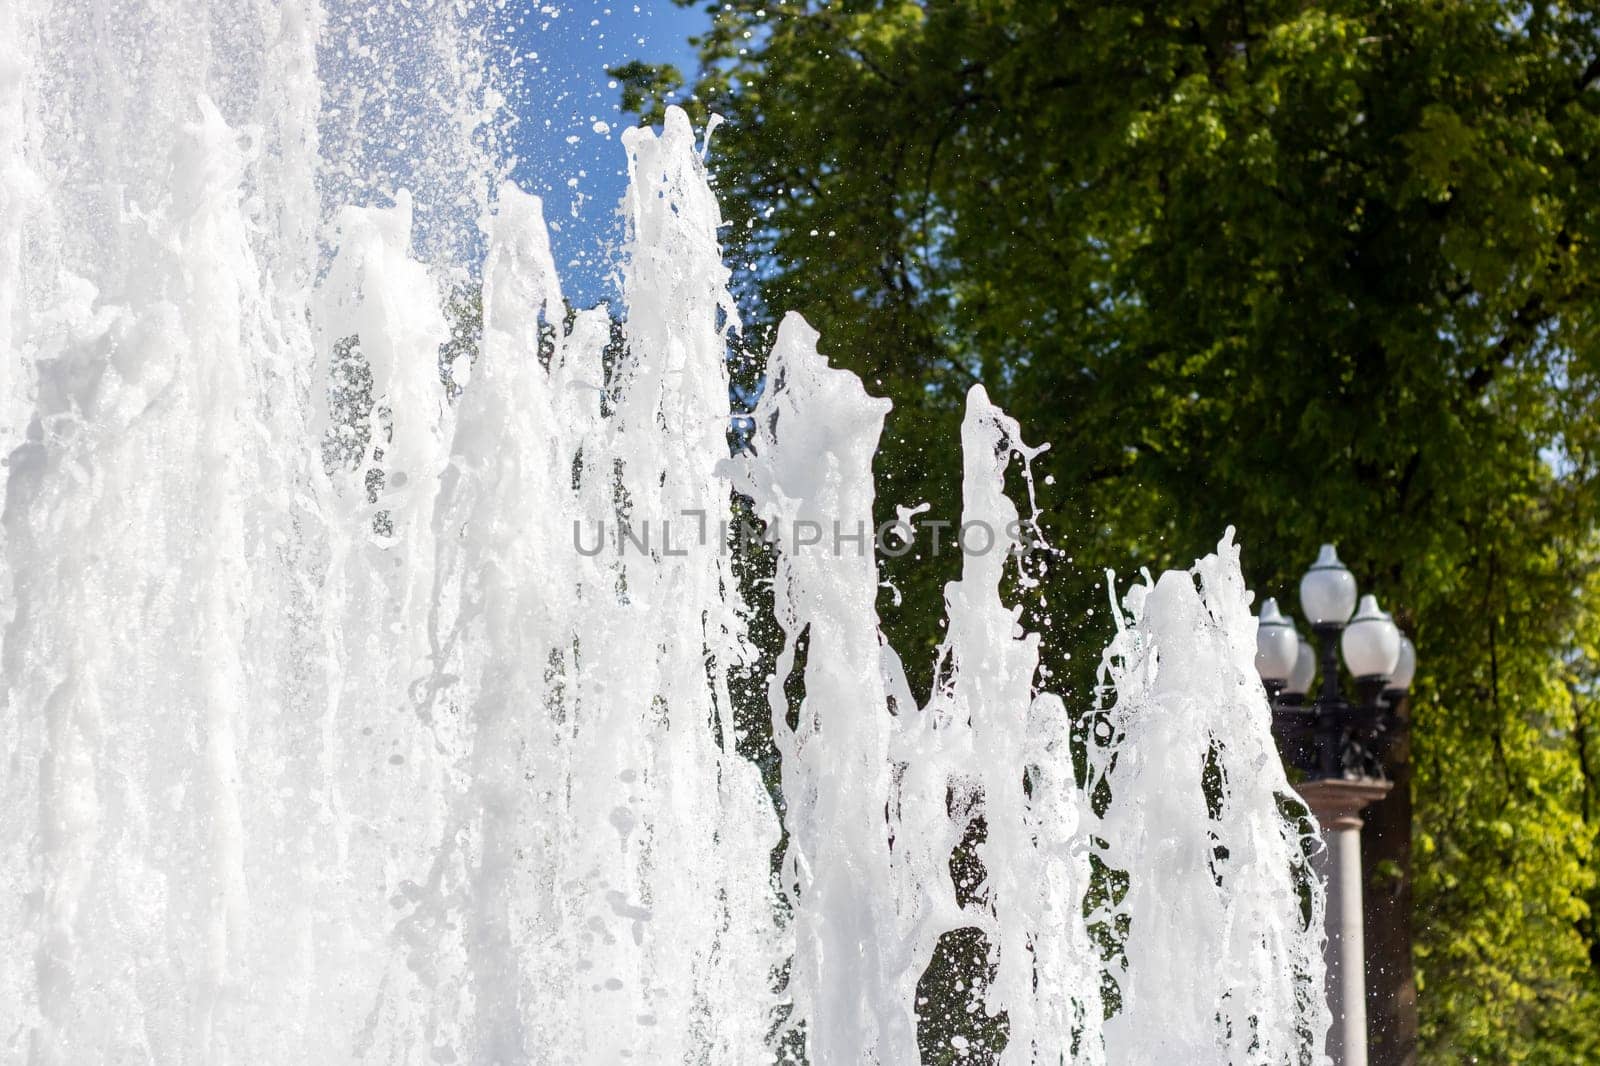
(1337, 803)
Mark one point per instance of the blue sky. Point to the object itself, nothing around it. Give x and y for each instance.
(568, 140)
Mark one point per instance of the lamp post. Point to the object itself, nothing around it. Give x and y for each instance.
(1337, 746)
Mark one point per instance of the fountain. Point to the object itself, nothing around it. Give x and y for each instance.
(368, 692)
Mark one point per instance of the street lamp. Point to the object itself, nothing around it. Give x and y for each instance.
(1328, 590)
(1332, 737)
(1277, 646)
(1336, 745)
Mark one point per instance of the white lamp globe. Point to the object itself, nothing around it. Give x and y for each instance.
(1406, 668)
(1277, 644)
(1305, 669)
(1328, 590)
(1371, 642)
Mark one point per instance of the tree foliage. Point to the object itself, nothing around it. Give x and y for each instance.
(1321, 271)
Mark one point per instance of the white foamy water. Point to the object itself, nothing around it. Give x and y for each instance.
(367, 690)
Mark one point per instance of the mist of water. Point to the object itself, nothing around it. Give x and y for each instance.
(327, 739)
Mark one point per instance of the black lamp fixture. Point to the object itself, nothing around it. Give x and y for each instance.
(1330, 736)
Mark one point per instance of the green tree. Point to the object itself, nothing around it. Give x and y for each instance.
(1322, 271)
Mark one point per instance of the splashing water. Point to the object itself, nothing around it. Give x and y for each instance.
(370, 619)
